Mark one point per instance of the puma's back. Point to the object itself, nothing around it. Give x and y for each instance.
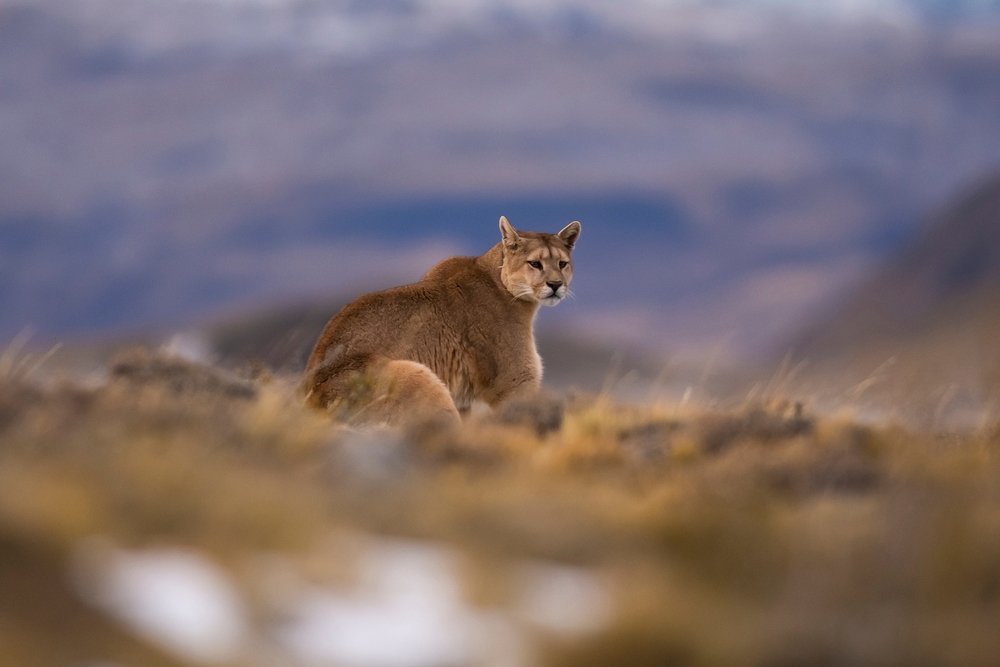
(463, 333)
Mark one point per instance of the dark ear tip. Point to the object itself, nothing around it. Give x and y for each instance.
(570, 233)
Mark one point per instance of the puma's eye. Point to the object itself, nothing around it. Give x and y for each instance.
(535, 265)
(563, 265)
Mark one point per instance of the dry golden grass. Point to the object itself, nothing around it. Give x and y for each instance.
(760, 536)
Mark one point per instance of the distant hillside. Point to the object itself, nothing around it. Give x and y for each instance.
(932, 314)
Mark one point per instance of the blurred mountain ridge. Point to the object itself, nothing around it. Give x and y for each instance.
(361, 27)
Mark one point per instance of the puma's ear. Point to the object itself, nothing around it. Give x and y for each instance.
(509, 234)
(570, 233)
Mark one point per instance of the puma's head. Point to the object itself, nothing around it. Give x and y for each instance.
(537, 267)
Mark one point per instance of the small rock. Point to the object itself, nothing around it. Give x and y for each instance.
(541, 412)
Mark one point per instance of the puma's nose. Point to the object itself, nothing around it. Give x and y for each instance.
(554, 285)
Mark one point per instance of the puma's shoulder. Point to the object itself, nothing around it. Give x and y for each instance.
(454, 270)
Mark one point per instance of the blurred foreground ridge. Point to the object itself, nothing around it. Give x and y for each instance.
(162, 518)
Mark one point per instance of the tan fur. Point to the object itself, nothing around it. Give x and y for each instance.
(463, 333)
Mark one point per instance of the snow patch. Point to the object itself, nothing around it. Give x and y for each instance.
(175, 598)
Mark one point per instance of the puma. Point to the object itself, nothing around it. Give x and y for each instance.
(463, 333)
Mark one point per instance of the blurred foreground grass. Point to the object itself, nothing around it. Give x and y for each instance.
(756, 536)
